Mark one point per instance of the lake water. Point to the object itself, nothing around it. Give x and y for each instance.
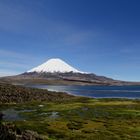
(97, 91)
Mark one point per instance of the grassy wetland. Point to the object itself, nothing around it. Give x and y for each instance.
(75, 118)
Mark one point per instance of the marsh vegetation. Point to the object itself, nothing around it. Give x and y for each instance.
(80, 119)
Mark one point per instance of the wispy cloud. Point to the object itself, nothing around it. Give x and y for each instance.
(19, 17)
(69, 35)
(13, 54)
(6, 53)
(79, 37)
(5, 72)
(13, 65)
(14, 62)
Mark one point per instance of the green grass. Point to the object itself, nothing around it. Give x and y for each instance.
(82, 119)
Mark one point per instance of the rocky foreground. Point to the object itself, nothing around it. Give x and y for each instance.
(11, 132)
(18, 94)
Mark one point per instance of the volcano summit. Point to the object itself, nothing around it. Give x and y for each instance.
(54, 65)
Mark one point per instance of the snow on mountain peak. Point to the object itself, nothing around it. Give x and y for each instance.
(54, 65)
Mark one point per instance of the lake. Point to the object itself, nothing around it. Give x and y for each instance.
(96, 91)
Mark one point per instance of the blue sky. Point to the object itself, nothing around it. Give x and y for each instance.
(99, 36)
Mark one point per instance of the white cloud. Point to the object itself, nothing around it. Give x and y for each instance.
(13, 54)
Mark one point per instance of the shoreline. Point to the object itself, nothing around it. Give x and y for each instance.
(55, 88)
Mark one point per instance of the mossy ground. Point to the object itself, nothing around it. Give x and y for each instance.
(82, 119)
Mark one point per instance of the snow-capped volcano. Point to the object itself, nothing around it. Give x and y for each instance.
(54, 65)
(57, 72)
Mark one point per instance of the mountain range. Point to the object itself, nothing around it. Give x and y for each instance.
(57, 72)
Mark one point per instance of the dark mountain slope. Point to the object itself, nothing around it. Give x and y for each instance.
(69, 78)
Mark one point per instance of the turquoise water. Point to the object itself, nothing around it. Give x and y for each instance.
(97, 91)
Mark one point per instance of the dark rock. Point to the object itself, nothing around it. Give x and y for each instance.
(1, 116)
(11, 132)
(18, 131)
(30, 135)
(6, 133)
